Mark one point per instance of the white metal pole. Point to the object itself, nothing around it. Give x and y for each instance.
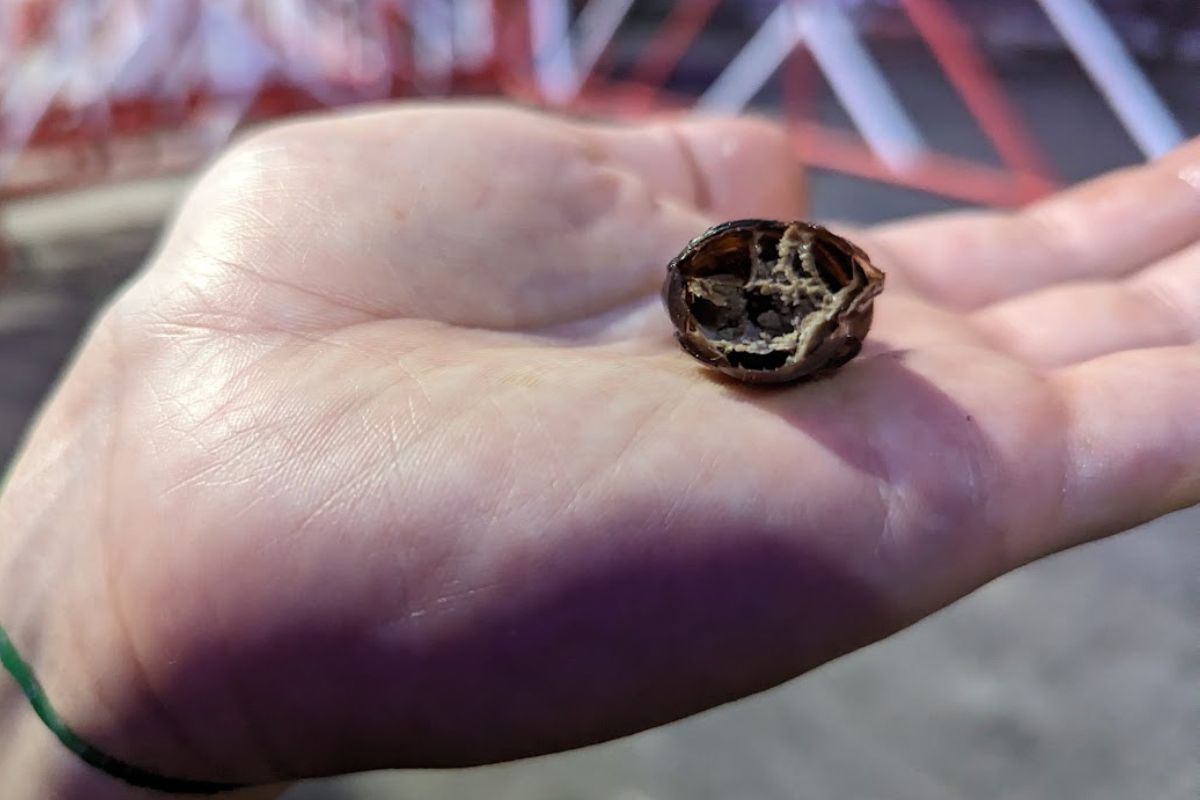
(595, 27)
(553, 62)
(859, 84)
(854, 76)
(1116, 75)
(753, 66)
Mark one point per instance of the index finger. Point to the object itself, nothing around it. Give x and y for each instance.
(1106, 228)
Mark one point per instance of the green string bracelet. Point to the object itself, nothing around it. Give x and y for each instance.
(115, 767)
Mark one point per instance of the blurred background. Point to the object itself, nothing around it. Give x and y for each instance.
(1073, 678)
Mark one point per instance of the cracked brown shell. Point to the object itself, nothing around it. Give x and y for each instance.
(767, 302)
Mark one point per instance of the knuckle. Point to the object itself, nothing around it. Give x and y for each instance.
(251, 157)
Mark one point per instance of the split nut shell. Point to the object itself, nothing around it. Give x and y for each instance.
(769, 302)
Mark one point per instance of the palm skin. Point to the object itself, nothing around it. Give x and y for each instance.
(389, 457)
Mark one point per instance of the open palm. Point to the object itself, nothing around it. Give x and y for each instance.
(400, 464)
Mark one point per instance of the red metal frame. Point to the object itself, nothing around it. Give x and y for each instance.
(951, 44)
(666, 48)
(1028, 175)
(68, 148)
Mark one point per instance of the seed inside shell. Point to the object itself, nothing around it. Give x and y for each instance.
(768, 302)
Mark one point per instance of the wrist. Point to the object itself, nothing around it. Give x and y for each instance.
(71, 701)
(42, 756)
(34, 765)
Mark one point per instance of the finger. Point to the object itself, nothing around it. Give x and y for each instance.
(476, 215)
(1133, 443)
(1106, 228)
(1158, 307)
(728, 168)
(905, 322)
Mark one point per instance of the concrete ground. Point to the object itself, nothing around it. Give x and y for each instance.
(1077, 677)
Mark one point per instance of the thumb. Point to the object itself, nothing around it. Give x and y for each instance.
(726, 168)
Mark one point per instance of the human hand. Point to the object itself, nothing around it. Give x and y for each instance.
(389, 459)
